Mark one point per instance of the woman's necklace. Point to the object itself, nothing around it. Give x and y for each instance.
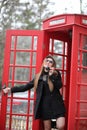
(45, 77)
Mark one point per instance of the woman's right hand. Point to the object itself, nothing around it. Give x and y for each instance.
(6, 90)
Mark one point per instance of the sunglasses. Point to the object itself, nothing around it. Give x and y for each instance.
(50, 61)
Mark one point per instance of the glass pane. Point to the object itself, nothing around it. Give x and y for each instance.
(66, 48)
(24, 42)
(33, 72)
(85, 59)
(22, 74)
(84, 76)
(30, 123)
(64, 81)
(10, 73)
(83, 109)
(11, 57)
(35, 43)
(83, 92)
(79, 58)
(58, 47)
(65, 61)
(50, 46)
(13, 38)
(31, 93)
(19, 106)
(84, 53)
(31, 106)
(21, 94)
(59, 60)
(8, 105)
(84, 42)
(23, 58)
(7, 121)
(19, 122)
(34, 58)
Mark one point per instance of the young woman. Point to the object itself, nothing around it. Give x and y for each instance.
(49, 102)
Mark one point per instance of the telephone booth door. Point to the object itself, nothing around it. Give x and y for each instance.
(23, 57)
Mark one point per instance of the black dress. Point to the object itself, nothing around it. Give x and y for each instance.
(51, 104)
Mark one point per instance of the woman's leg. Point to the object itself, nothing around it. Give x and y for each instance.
(60, 123)
(47, 124)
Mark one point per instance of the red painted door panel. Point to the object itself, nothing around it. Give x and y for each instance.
(23, 57)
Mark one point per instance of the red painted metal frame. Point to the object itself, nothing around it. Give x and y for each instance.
(64, 20)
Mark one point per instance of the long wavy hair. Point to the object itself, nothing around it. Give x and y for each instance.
(41, 72)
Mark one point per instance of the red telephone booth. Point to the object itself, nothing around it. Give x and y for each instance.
(63, 36)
